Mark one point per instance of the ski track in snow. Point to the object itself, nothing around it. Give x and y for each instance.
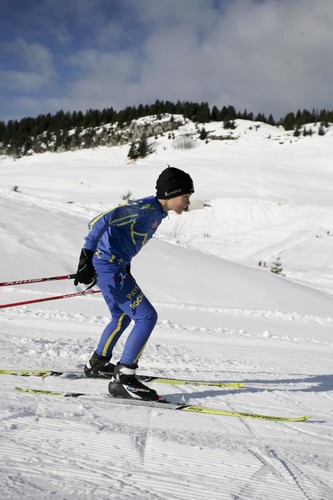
(70, 449)
(84, 451)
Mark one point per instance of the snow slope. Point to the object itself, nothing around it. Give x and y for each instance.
(221, 317)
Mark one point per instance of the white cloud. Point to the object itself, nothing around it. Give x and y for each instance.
(35, 63)
(31, 55)
(263, 55)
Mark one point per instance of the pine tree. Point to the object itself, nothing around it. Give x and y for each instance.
(203, 134)
(139, 149)
(127, 197)
(288, 122)
(321, 130)
(203, 113)
(133, 153)
(2, 130)
(271, 120)
(215, 114)
(276, 266)
(143, 147)
(228, 113)
(229, 124)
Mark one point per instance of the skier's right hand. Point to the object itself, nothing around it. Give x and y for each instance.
(85, 272)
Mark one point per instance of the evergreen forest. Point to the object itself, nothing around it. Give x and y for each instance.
(18, 137)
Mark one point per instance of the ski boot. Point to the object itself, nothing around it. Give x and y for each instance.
(99, 367)
(126, 385)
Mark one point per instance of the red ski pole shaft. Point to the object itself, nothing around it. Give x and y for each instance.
(37, 280)
(34, 301)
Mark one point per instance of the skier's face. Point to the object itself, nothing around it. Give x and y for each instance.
(179, 203)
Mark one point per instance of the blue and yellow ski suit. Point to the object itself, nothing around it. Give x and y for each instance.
(115, 237)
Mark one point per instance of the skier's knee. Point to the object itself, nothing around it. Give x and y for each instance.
(147, 317)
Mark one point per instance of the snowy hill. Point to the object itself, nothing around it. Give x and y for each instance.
(259, 195)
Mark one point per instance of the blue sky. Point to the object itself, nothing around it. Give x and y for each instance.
(270, 56)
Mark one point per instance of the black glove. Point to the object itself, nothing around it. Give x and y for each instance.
(85, 272)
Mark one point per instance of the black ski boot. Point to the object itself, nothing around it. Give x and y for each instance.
(126, 385)
(99, 367)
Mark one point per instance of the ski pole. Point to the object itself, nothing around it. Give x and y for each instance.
(66, 296)
(37, 280)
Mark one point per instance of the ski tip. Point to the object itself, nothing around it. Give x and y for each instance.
(303, 419)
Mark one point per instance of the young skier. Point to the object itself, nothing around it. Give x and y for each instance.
(114, 238)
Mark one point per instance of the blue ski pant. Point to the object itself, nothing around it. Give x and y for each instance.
(126, 303)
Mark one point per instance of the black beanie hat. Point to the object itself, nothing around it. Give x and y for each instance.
(173, 182)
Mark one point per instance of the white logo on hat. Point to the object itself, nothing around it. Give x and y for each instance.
(173, 192)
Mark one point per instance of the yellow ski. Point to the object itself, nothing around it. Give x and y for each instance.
(169, 405)
(142, 378)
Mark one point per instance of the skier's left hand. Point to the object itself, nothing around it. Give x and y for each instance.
(85, 272)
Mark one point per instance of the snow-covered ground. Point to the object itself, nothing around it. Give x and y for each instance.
(222, 316)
